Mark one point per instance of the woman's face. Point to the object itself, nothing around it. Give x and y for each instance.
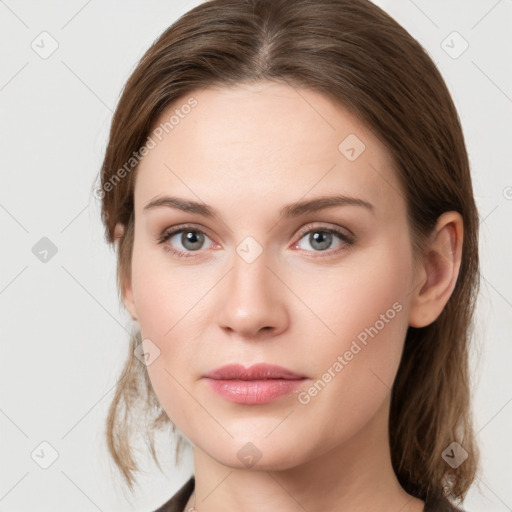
(266, 281)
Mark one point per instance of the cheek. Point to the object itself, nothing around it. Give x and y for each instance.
(163, 293)
(372, 309)
(167, 302)
(367, 295)
(355, 370)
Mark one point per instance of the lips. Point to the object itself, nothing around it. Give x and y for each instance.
(256, 385)
(260, 371)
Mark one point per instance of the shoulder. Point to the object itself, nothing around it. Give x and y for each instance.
(439, 503)
(179, 500)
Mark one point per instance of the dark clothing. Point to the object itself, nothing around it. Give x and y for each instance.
(179, 500)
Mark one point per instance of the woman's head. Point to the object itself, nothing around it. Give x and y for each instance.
(249, 108)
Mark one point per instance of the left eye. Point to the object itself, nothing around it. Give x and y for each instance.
(322, 239)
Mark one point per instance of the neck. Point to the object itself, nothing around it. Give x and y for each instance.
(356, 475)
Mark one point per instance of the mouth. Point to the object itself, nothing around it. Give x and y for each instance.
(256, 385)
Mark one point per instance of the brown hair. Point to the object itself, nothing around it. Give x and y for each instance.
(358, 55)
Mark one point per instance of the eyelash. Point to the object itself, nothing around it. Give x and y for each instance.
(169, 233)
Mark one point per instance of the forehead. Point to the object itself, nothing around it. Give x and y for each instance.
(263, 140)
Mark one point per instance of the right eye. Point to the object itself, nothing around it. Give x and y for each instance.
(190, 238)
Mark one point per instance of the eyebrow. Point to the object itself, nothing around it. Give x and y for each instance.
(288, 211)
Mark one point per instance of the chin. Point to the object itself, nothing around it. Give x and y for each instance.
(256, 453)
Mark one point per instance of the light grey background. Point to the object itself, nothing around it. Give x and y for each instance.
(64, 334)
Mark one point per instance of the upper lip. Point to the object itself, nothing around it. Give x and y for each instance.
(259, 371)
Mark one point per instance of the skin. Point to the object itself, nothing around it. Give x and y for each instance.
(247, 151)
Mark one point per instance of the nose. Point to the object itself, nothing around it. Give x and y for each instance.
(254, 307)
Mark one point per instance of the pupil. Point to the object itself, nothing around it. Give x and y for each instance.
(193, 238)
(322, 238)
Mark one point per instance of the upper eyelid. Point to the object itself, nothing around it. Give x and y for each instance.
(174, 230)
(340, 229)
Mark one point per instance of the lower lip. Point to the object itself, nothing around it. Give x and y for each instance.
(253, 392)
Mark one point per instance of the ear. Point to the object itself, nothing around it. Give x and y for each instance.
(126, 285)
(438, 274)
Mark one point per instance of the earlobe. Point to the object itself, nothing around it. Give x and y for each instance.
(118, 232)
(126, 287)
(439, 271)
(128, 301)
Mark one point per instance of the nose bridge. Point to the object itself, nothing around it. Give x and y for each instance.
(253, 300)
(250, 277)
